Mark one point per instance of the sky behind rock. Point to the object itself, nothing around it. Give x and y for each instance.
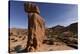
(53, 13)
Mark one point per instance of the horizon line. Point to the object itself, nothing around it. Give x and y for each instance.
(46, 26)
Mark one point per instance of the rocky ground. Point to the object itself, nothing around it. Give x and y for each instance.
(18, 42)
(17, 39)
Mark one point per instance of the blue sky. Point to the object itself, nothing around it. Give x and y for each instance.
(53, 13)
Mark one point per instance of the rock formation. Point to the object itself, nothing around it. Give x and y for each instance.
(36, 27)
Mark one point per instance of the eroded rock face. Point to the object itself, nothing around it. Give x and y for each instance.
(31, 8)
(36, 27)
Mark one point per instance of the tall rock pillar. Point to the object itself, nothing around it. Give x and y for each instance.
(36, 27)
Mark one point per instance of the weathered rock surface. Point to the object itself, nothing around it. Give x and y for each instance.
(31, 8)
(36, 27)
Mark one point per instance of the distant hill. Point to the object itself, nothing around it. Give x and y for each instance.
(59, 29)
(73, 27)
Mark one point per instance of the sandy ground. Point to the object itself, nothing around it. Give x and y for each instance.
(19, 42)
(55, 47)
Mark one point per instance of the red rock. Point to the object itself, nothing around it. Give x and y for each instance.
(36, 27)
